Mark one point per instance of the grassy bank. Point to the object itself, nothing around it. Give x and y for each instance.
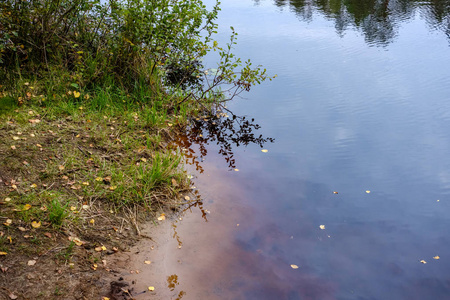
(77, 178)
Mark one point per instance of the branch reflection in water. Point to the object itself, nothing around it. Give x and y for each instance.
(227, 130)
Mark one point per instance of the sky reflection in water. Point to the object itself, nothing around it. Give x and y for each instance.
(352, 109)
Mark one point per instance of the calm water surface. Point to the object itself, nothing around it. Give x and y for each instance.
(361, 103)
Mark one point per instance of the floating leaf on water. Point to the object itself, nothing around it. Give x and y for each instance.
(423, 261)
(335, 192)
(322, 227)
(368, 192)
(294, 267)
(264, 150)
(35, 224)
(436, 257)
(151, 288)
(236, 170)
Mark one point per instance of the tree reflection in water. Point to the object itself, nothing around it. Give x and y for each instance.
(378, 19)
(226, 130)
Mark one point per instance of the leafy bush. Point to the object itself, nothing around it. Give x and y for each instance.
(127, 43)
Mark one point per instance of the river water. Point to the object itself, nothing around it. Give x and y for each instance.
(355, 188)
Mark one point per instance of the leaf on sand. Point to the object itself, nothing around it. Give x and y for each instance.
(147, 262)
(76, 240)
(31, 262)
(151, 288)
(294, 267)
(368, 192)
(36, 224)
(322, 227)
(12, 296)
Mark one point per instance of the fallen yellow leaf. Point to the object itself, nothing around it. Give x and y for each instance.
(33, 186)
(422, 261)
(162, 217)
(98, 179)
(144, 159)
(76, 94)
(264, 150)
(92, 221)
(85, 183)
(322, 227)
(3, 253)
(7, 199)
(147, 262)
(112, 188)
(14, 148)
(436, 257)
(151, 288)
(8, 222)
(294, 267)
(187, 198)
(16, 138)
(61, 168)
(36, 224)
(237, 170)
(26, 207)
